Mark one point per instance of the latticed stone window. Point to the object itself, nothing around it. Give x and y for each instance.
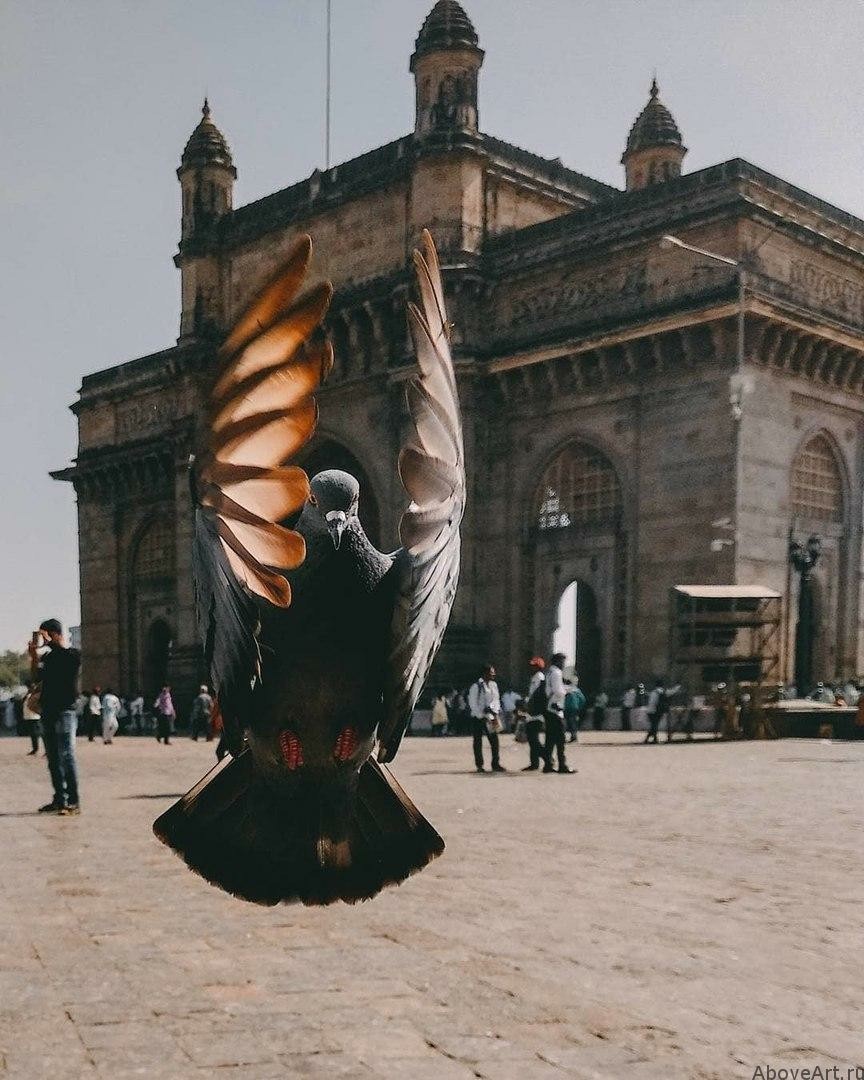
(817, 485)
(580, 486)
(155, 555)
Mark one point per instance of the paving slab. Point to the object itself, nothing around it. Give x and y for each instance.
(686, 911)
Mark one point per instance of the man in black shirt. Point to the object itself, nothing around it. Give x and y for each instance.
(58, 672)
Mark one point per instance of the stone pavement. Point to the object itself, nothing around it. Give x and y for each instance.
(686, 911)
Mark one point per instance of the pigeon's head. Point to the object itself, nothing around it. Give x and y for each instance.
(334, 496)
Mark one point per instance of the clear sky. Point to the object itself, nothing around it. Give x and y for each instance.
(99, 97)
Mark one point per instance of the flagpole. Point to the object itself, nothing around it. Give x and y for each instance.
(327, 96)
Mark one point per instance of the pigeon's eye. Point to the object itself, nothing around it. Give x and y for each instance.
(312, 499)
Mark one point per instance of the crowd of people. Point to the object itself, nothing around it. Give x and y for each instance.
(103, 713)
(548, 714)
(551, 710)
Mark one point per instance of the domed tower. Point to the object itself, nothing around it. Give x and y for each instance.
(445, 64)
(654, 148)
(206, 175)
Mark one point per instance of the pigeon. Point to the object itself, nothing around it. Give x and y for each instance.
(318, 645)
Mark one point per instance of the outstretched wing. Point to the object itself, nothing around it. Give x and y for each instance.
(261, 410)
(432, 467)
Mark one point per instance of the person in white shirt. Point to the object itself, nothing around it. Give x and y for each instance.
(94, 713)
(136, 714)
(535, 707)
(655, 709)
(556, 692)
(485, 707)
(110, 723)
(508, 707)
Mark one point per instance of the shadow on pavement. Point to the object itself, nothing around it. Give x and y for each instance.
(166, 795)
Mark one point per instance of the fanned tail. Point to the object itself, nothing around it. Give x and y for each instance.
(239, 834)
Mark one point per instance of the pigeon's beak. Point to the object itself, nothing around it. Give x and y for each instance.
(336, 522)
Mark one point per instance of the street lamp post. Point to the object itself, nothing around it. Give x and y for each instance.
(803, 558)
(737, 384)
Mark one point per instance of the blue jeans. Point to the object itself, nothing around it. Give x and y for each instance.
(58, 734)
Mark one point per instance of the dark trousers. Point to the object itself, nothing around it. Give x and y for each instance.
(163, 726)
(33, 732)
(200, 725)
(555, 740)
(94, 724)
(625, 718)
(478, 730)
(58, 735)
(599, 717)
(533, 729)
(654, 720)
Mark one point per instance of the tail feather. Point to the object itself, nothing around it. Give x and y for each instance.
(233, 830)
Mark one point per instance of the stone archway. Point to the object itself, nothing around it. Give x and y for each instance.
(580, 552)
(818, 504)
(158, 642)
(151, 607)
(578, 634)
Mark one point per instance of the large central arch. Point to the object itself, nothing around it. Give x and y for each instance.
(579, 562)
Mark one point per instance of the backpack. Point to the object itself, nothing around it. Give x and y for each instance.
(537, 702)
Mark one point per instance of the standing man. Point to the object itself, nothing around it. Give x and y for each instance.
(202, 710)
(94, 713)
(575, 706)
(110, 712)
(509, 700)
(556, 692)
(484, 704)
(601, 700)
(136, 715)
(31, 719)
(656, 709)
(535, 707)
(628, 704)
(164, 707)
(58, 670)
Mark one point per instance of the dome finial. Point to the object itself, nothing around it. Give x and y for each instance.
(207, 145)
(654, 150)
(446, 27)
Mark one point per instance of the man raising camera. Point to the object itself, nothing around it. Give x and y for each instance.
(57, 670)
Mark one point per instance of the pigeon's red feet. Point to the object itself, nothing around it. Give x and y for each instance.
(292, 751)
(346, 744)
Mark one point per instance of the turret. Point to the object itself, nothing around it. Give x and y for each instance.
(445, 64)
(654, 149)
(206, 175)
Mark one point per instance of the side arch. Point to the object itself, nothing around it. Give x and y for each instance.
(820, 641)
(819, 480)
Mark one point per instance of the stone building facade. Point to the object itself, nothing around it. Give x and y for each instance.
(621, 397)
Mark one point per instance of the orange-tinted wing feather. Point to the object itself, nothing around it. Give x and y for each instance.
(261, 410)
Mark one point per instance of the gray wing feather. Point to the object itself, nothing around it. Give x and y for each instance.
(432, 468)
(228, 624)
